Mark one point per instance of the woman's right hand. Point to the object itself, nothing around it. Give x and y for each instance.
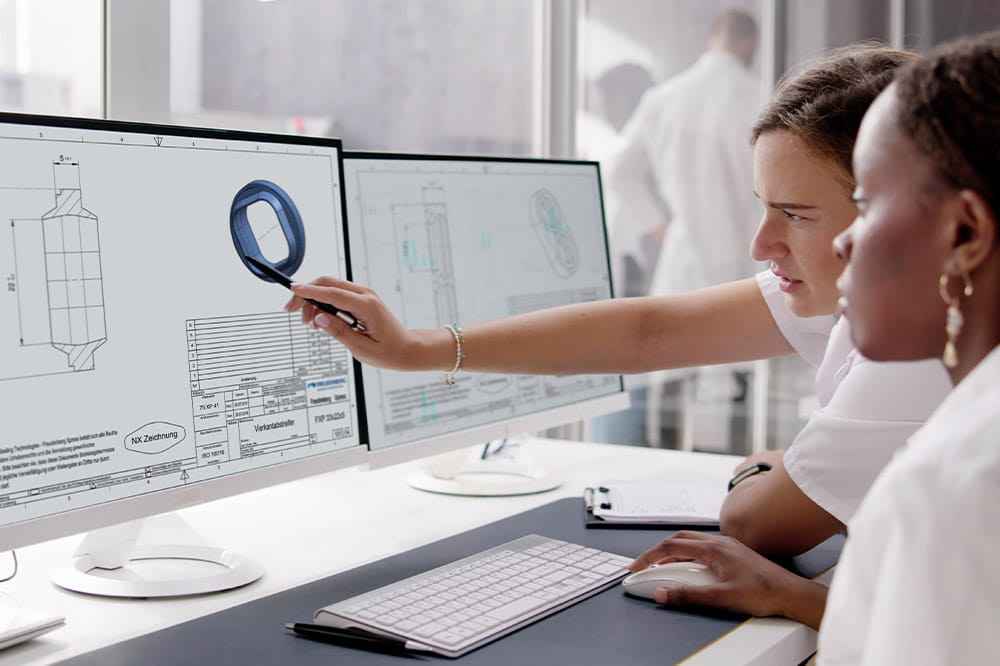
(747, 581)
(384, 343)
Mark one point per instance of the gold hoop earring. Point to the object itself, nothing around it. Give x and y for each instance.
(954, 319)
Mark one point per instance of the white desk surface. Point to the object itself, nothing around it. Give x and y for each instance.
(312, 528)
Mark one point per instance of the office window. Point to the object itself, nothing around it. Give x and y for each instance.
(654, 195)
(808, 29)
(811, 27)
(624, 51)
(930, 22)
(51, 57)
(431, 76)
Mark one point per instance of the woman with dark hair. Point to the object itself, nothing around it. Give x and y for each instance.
(918, 581)
(802, 173)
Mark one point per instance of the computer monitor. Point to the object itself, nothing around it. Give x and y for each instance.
(448, 240)
(144, 364)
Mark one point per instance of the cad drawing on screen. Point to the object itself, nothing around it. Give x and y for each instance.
(130, 389)
(53, 279)
(455, 240)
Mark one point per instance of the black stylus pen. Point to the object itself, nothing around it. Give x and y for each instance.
(356, 638)
(285, 281)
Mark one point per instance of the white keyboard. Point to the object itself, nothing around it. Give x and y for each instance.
(463, 605)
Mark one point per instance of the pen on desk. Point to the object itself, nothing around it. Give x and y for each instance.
(356, 638)
(285, 281)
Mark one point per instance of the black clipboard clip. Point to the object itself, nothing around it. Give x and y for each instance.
(591, 499)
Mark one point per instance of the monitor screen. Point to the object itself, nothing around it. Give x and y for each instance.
(143, 364)
(448, 240)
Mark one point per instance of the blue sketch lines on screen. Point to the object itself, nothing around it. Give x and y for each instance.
(554, 234)
(428, 408)
(485, 243)
(54, 286)
(424, 238)
(248, 240)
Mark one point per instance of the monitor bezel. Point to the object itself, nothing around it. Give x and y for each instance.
(144, 505)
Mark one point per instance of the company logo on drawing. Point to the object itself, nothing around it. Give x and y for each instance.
(319, 391)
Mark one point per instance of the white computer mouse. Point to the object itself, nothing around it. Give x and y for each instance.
(643, 583)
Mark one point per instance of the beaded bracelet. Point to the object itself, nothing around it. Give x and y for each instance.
(449, 377)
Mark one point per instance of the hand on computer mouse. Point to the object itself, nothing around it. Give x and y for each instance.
(746, 581)
(645, 583)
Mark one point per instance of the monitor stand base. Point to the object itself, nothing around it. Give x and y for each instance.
(109, 564)
(496, 469)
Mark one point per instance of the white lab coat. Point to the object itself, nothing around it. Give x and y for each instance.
(918, 582)
(686, 159)
(686, 162)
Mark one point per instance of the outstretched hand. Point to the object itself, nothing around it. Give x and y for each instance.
(748, 582)
(385, 342)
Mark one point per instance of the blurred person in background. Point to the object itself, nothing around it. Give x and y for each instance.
(617, 91)
(683, 176)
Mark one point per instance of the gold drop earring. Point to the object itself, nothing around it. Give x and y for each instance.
(954, 320)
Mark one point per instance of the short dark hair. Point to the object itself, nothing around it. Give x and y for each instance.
(734, 24)
(949, 106)
(823, 101)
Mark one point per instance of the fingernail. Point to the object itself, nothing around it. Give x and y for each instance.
(660, 596)
(323, 320)
(294, 285)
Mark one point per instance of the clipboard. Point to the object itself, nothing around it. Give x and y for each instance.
(650, 505)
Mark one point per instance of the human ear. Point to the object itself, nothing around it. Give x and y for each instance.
(974, 231)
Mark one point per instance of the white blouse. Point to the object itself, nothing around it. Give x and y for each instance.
(919, 579)
(867, 409)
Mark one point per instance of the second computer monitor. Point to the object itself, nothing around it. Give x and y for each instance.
(454, 240)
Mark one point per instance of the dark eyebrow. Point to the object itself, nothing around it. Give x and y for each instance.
(781, 206)
(797, 206)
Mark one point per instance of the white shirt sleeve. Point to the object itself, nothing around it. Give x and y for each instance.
(872, 411)
(868, 409)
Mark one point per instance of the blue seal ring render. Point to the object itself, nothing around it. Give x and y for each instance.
(288, 218)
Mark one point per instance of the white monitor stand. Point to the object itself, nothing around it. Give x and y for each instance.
(495, 469)
(110, 563)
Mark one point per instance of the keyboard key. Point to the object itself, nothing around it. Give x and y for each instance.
(515, 608)
(607, 568)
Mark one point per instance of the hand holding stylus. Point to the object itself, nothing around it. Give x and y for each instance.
(384, 342)
(275, 275)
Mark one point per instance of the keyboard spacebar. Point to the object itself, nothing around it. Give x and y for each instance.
(515, 608)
